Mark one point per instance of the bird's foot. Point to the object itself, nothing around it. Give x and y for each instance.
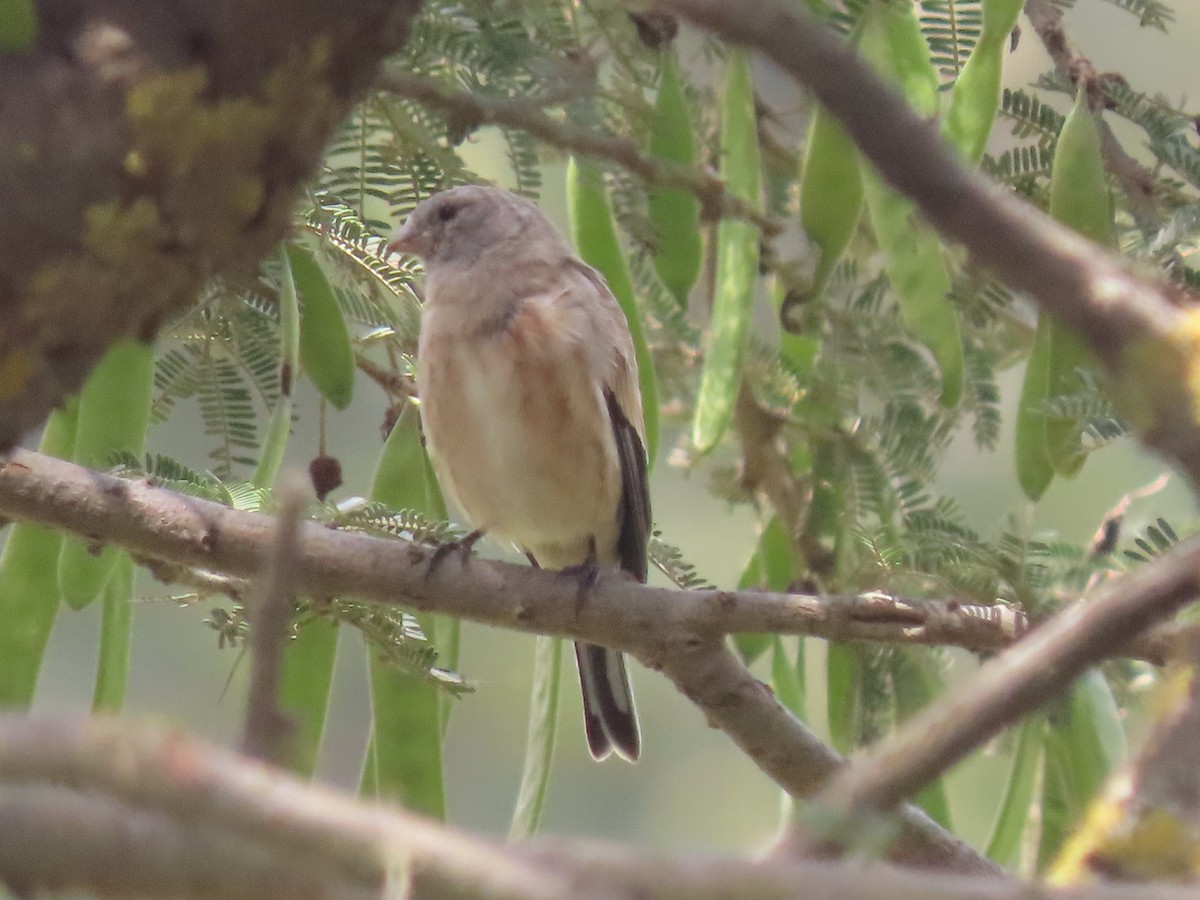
(461, 548)
(585, 574)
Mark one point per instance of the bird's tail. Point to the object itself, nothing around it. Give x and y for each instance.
(608, 712)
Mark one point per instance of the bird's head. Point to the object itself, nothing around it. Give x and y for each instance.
(459, 225)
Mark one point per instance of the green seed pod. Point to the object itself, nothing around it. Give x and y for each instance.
(1079, 198)
(1085, 742)
(674, 212)
(114, 413)
(18, 26)
(29, 595)
(976, 94)
(279, 427)
(831, 192)
(325, 348)
(1034, 470)
(404, 761)
(904, 55)
(893, 43)
(737, 259)
(594, 232)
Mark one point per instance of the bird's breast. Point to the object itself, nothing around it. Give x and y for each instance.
(520, 437)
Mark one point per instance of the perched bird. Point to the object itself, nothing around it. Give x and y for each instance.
(531, 408)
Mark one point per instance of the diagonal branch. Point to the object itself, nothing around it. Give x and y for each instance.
(746, 709)
(467, 111)
(1132, 325)
(1016, 682)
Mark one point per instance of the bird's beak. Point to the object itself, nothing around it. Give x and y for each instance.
(406, 240)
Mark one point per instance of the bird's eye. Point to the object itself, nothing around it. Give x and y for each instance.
(448, 212)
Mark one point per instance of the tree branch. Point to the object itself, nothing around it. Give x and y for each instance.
(465, 112)
(1134, 326)
(1016, 682)
(119, 809)
(266, 824)
(678, 632)
(267, 728)
(155, 523)
(180, 141)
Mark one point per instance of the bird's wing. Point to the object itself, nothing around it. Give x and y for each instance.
(635, 491)
(623, 398)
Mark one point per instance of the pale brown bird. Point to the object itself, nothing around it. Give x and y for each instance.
(531, 408)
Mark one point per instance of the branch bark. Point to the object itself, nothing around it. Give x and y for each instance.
(267, 729)
(157, 524)
(180, 137)
(466, 112)
(1017, 681)
(119, 809)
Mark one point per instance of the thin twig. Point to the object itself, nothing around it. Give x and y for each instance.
(1136, 180)
(203, 582)
(464, 112)
(396, 385)
(267, 728)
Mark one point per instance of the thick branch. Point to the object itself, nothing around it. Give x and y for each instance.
(120, 810)
(181, 137)
(676, 631)
(262, 823)
(156, 523)
(1131, 324)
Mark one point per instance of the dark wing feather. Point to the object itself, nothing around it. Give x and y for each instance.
(634, 514)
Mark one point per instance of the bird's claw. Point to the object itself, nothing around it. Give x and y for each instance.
(461, 547)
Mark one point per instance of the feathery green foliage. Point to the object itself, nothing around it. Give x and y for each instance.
(850, 396)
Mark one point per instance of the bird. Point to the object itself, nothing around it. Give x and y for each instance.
(531, 409)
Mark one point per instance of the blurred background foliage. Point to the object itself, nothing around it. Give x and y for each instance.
(892, 395)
